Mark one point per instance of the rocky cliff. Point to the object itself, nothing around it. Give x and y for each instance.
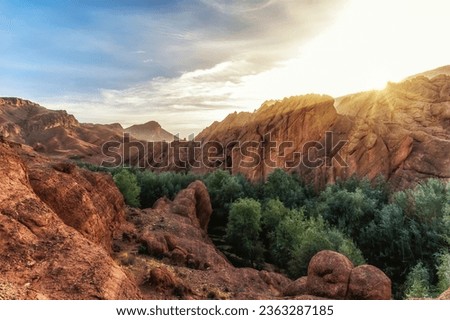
(401, 132)
(52, 132)
(42, 257)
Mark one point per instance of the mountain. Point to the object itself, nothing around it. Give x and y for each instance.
(57, 133)
(432, 73)
(53, 132)
(401, 133)
(150, 131)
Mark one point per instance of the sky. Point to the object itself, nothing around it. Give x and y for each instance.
(187, 63)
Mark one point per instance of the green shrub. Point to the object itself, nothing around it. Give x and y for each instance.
(443, 272)
(297, 239)
(272, 214)
(285, 187)
(157, 185)
(127, 184)
(244, 227)
(223, 189)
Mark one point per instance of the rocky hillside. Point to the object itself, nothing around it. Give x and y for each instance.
(432, 73)
(401, 132)
(150, 131)
(52, 132)
(47, 252)
(57, 133)
(66, 234)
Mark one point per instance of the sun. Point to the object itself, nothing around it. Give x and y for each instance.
(369, 44)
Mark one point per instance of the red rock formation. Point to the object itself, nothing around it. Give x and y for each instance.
(328, 274)
(331, 275)
(369, 283)
(402, 133)
(150, 131)
(173, 234)
(40, 254)
(53, 132)
(74, 195)
(297, 288)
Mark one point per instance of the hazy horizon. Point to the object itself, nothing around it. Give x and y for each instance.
(186, 64)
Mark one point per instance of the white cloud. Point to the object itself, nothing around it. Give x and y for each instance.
(367, 44)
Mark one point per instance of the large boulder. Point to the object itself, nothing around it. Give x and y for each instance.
(369, 283)
(329, 274)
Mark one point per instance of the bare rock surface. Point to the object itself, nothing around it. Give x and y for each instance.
(369, 283)
(329, 274)
(40, 254)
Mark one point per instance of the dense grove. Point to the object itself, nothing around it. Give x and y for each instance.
(283, 221)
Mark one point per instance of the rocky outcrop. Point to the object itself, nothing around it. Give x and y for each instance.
(332, 275)
(73, 194)
(297, 288)
(178, 230)
(41, 256)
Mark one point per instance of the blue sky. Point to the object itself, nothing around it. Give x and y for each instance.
(188, 63)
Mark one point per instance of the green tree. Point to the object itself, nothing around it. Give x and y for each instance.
(298, 238)
(244, 227)
(418, 282)
(443, 272)
(272, 214)
(128, 186)
(285, 187)
(223, 189)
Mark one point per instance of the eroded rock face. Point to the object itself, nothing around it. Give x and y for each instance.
(41, 256)
(411, 123)
(297, 288)
(402, 133)
(53, 132)
(89, 202)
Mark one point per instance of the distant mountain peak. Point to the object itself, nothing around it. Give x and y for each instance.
(149, 131)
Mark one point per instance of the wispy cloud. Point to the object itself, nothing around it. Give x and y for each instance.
(199, 55)
(188, 63)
